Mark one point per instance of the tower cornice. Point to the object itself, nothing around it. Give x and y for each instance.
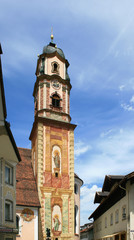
(52, 111)
(51, 122)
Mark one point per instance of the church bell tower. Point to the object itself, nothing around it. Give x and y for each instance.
(52, 139)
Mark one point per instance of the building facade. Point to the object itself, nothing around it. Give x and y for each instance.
(9, 157)
(114, 217)
(77, 184)
(52, 139)
(86, 231)
(27, 201)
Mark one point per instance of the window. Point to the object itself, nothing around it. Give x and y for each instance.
(117, 216)
(55, 100)
(105, 222)
(99, 226)
(8, 210)
(111, 219)
(123, 212)
(76, 219)
(55, 67)
(75, 188)
(8, 175)
(17, 222)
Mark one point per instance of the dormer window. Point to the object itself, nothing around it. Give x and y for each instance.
(55, 100)
(55, 67)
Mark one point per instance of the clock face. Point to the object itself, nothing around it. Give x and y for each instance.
(56, 84)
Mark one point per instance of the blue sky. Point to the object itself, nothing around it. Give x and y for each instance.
(97, 38)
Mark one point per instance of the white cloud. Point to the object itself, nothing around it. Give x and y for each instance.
(121, 33)
(132, 99)
(87, 201)
(107, 133)
(109, 156)
(80, 148)
(127, 107)
(121, 87)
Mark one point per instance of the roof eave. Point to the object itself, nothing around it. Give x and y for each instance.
(7, 125)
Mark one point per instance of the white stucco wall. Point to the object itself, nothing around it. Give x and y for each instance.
(101, 231)
(123, 225)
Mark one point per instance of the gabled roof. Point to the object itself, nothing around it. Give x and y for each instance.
(10, 135)
(26, 188)
(116, 193)
(110, 180)
(99, 196)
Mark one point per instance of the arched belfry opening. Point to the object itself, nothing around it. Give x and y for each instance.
(55, 100)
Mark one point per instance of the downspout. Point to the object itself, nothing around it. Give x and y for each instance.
(128, 222)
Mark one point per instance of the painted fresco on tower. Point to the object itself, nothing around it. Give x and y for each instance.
(56, 219)
(56, 159)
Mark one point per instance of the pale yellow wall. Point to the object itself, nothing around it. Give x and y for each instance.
(130, 198)
(6, 148)
(116, 227)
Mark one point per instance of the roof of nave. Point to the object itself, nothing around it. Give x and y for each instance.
(26, 188)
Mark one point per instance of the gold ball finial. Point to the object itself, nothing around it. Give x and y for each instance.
(52, 36)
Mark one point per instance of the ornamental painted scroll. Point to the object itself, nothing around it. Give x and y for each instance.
(56, 159)
(27, 214)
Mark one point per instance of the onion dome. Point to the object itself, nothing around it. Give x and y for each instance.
(51, 47)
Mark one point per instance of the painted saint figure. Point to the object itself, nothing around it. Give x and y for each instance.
(56, 223)
(57, 160)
